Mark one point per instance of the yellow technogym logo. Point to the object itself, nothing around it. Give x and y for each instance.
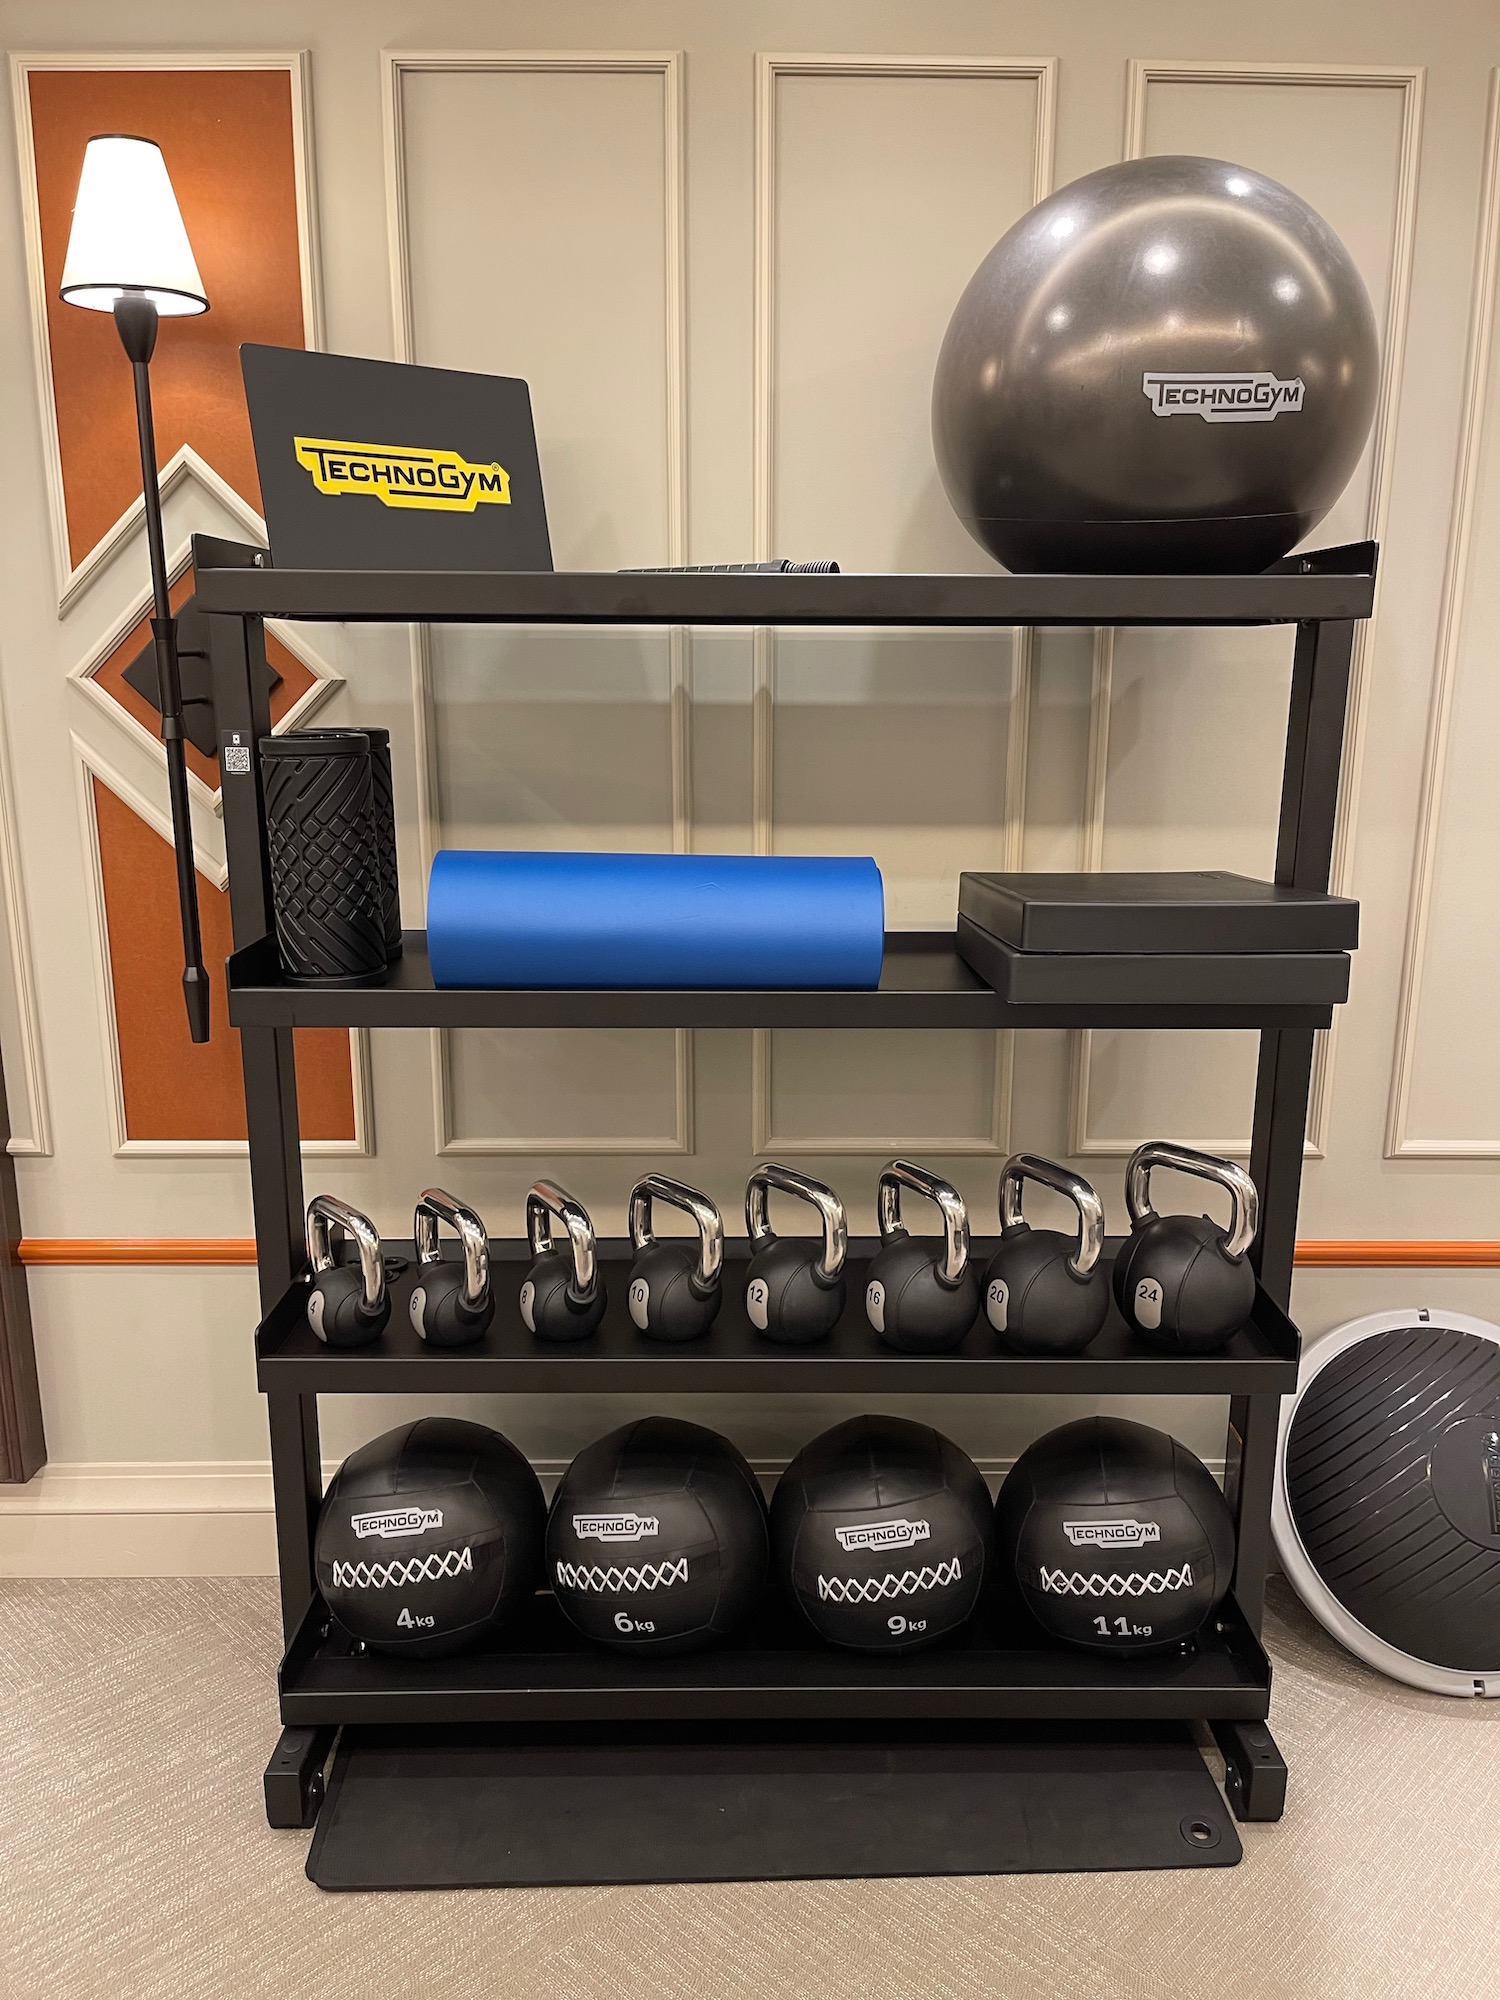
(403, 475)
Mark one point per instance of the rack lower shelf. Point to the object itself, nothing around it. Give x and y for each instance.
(542, 1671)
(924, 984)
(733, 1356)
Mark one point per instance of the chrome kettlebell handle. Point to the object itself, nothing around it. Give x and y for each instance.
(822, 1197)
(434, 1207)
(545, 1200)
(1244, 1218)
(898, 1174)
(658, 1187)
(326, 1209)
(1046, 1173)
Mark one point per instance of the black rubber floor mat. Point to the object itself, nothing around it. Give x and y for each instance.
(431, 1809)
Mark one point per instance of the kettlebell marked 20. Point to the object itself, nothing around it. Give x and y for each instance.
(1251, 398)
(403, 475)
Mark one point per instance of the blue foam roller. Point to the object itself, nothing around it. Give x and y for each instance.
(724, 920)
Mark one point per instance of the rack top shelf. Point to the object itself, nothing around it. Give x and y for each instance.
(1323, 584)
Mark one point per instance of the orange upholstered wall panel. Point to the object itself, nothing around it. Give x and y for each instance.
(172, 1089)
(227, 137)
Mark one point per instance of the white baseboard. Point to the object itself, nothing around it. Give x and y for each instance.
(183, 1519)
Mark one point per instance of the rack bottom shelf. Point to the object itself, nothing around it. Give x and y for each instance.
(542, 1671)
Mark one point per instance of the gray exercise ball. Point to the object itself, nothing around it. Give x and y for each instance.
(1170, 364)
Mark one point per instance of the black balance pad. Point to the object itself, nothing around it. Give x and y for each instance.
(466, 1808)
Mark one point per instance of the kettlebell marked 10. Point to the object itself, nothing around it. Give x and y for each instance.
(1255, 398)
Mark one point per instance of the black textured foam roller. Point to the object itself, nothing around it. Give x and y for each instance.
(383, 797)
(326, 877)
(1393, 1481)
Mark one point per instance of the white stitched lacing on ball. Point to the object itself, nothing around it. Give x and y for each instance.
(1131, 1583)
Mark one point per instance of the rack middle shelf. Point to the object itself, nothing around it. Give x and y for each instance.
(733, 1356)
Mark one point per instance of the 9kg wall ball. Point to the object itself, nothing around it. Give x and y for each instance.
(1170, 364)
(657, 1538)
(881, 1527)
(429, 1537)
(1119, 1537)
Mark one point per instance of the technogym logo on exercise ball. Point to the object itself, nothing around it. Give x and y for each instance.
(403, 475)
(1257, 398)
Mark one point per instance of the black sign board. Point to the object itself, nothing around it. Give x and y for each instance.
(384, 465)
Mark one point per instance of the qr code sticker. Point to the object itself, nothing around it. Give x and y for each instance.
(236, 760)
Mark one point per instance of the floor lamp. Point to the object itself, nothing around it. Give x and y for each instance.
(129, 255)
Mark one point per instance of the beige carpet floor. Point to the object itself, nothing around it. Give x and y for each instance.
(135, 1862)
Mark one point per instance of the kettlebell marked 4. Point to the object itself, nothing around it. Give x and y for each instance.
(1252, 398)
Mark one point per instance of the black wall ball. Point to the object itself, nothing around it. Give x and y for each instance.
(880, 1529)
(1170, 364)
(656, 1542)
(1119, 1538)
(429, 1537)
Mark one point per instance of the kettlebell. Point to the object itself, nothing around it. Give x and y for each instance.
(674, 1288)
(1181, 1280)
(918, 1300)
(1044, 1292)
(347, 1304)
(794, 1288)
(563, 1295)
(451, 1304)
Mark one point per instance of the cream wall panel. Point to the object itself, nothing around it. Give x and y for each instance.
(565, 739)
(565, 270)
(881, 186)
(1193, 777)
(884, 190)
(1445, 1100)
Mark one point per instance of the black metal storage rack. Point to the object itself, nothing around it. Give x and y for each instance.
(542, 1672)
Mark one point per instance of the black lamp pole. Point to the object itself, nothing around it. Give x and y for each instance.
(136, 320)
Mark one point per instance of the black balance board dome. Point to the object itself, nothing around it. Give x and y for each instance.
(429, 1537)
(1391, 1482)
(1119, 1538)
(657, 1542)
(881, 1528)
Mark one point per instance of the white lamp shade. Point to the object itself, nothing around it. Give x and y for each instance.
(128, 234)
